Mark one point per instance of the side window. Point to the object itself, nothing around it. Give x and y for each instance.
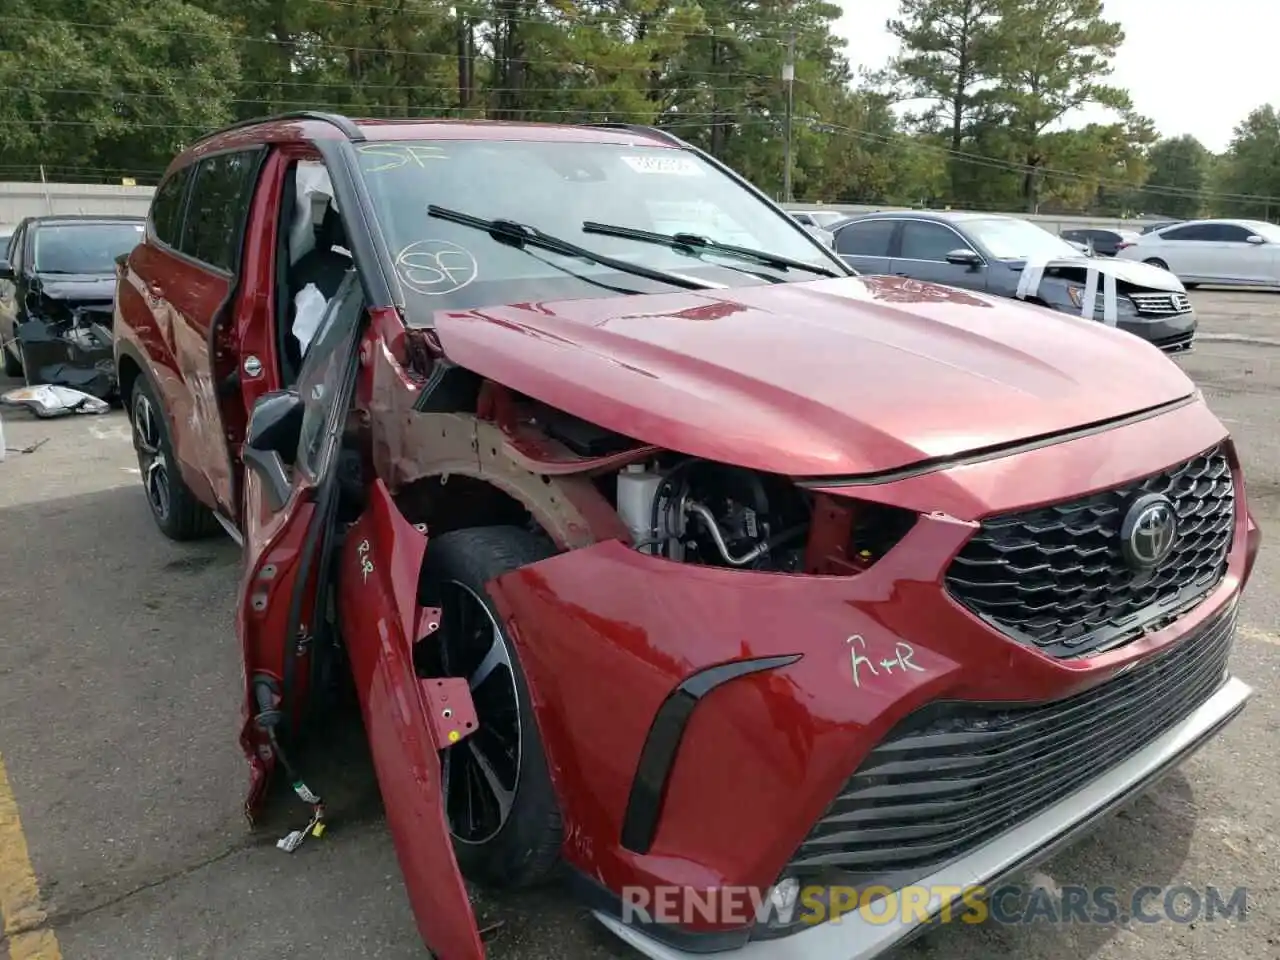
(1229, 233)
(1073, 234)
(323, 370)
(219, 202)
(166, 207)
(928, 241)
(1194, 231)
(869, 238)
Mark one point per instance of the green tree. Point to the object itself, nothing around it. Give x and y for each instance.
(1250, 176)
(95, 87)
(1053, 57)
(1179, 170)
(948, 52)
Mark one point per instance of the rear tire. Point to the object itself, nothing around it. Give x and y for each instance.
(501, 765)
(1157, 262)
(175, 509)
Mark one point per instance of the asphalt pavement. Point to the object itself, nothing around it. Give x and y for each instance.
(119, 685)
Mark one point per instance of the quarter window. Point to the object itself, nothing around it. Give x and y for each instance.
(219, 201)
(1194, 231)
(166, 207)
(867, 239)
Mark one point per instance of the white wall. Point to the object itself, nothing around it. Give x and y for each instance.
(19, 200)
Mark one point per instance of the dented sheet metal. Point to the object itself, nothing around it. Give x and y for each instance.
(75, 352)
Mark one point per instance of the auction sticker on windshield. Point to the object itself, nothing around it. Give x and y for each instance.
(677, 166)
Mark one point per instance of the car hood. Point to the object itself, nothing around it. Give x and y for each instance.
(63, 286)
(1130, 271)
(826, 378)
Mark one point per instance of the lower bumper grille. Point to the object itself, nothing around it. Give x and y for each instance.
(955, 775)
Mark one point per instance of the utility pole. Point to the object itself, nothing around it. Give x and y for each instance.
(789, 78)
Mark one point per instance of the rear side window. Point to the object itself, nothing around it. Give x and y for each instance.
(166, 207)
(1194, 231)
(219, 201)
(868, 239)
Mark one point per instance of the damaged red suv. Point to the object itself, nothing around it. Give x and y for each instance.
(665, 551)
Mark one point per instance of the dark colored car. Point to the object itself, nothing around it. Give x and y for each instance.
(1010, 257)
(660, 552)
(57, 282)
(1103, 243)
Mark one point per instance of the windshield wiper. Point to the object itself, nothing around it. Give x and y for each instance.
(694, 243)
(521, 235)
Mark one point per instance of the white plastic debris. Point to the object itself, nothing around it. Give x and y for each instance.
(309, 307)
(51, 400)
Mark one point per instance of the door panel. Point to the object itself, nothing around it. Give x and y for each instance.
(283, 544)
(381, 622)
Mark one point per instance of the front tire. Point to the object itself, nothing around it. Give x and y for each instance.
(504, 818)
(1157, 262)
(176, 510)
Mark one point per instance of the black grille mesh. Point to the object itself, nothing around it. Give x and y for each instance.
(955, 775)
(1056, 577)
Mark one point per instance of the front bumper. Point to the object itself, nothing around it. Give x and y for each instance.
(1174, 334)
(852, 937)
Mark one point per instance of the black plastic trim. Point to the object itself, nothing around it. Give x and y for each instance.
(658, 756)
(995, 452)
(368, 249)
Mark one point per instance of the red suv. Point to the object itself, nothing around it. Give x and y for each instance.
(660, 546)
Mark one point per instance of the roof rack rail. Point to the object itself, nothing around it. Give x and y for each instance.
(645, 130)
(344, 124)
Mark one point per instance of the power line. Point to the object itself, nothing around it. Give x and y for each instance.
(309, 47)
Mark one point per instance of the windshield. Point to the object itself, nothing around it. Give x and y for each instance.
(83, 247)
(1267, 231)
(1010, 239)
(556, 187)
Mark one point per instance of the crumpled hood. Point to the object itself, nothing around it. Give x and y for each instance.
(1130, 271)
(825, 378)
(78, 286)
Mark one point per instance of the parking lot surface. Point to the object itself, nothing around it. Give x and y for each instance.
(119, 687)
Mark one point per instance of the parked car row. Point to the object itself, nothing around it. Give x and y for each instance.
(588, 380)
(999, 255)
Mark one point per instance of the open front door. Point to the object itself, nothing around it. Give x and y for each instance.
(291, 453)
(290, 496)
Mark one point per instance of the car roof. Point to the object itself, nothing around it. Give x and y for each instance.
(941, 216)
(86, 218)
(313, 125)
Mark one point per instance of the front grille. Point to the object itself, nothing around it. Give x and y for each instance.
(954, 775)
(1056, 578)
(1160, 304)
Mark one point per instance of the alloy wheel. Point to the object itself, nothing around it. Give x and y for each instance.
(151, 457)
(482, 772)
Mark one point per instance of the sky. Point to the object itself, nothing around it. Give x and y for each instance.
(1192, 66)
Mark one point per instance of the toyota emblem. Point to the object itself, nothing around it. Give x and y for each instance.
(1149, 531)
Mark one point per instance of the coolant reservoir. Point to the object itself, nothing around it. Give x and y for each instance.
(637, 488)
